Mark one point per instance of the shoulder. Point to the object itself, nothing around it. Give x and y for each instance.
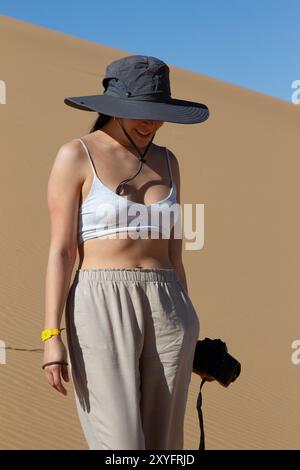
(172, 157)
(70, 151)
(69, 160)
(174, 164)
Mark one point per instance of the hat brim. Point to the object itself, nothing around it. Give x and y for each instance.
(174, 110)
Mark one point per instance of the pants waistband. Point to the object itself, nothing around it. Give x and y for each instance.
(127, 274)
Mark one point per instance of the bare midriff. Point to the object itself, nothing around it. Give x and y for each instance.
(126, 252)
(143, 253)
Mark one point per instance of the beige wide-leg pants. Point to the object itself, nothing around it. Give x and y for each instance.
(131, 337)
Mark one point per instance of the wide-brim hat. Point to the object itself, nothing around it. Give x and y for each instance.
(138, 87)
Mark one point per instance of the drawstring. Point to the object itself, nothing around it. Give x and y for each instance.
(141, 159)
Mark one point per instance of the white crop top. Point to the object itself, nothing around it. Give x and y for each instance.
(104, 212)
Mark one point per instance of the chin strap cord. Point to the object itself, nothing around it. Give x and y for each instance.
(120, 187)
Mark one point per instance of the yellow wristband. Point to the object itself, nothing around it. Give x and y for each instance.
(49, 332)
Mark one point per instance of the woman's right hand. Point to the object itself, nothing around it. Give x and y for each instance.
(55, 350)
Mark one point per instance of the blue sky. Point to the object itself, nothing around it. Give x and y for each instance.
(250, 43)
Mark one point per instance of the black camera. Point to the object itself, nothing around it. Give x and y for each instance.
(212, 358)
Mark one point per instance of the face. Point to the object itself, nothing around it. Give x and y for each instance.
(140, 130)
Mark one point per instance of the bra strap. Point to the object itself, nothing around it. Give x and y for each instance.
(90, 157)
(169, 168)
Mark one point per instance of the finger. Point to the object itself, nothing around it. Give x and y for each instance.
(65, 373)
(53, 375)
(209, 378)
(57, 380)
(49, 375)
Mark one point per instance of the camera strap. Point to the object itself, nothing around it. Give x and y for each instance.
(200, 416)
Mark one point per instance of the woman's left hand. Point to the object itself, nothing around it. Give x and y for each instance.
(205, 376)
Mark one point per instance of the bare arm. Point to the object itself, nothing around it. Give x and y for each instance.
(63, 195)
(175, 247)
(63, 198)
(175, 244)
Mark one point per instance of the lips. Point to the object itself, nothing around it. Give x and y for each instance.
(143, 134)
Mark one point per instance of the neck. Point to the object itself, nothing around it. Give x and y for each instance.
(118, 137)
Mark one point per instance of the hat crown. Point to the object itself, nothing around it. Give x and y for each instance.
(138, 76)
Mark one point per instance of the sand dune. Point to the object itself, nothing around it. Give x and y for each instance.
(242, 164)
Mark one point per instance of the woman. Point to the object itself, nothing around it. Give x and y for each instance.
(131, 326)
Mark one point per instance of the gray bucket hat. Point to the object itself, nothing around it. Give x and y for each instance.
(138, 87)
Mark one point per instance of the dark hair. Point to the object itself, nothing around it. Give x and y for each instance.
(101, 120)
